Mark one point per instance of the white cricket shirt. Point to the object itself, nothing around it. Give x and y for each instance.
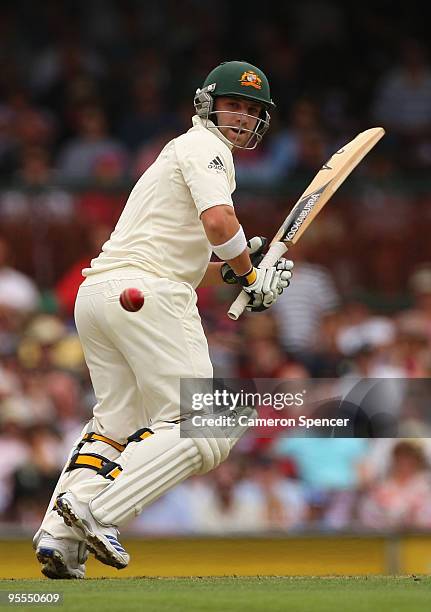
(159, 229)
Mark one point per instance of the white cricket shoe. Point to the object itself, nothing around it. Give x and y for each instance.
(61, 558)
(101, 540)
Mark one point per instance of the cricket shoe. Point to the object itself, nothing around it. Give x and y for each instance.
(61, 558)
(101, 540)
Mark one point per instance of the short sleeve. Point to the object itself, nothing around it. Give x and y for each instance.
(207, 171)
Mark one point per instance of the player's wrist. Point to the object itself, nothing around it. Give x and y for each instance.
(247, 279)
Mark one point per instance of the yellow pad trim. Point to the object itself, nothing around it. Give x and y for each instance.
(115, 472)
(94, 436)
(146, 434)
(87, 460)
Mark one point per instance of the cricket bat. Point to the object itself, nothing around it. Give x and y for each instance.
(322, 187)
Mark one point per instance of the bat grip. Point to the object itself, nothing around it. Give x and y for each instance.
(274, 253)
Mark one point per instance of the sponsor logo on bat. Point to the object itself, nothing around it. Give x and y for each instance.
(301, 212)
(326, 165)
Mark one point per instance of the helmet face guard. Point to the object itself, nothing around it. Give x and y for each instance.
(204, 105)
(235, 80)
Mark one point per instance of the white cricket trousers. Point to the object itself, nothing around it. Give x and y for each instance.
(135, 359)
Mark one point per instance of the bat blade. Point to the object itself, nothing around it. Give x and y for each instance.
(325, 184)
(320, 190)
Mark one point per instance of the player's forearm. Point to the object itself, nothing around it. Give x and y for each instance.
(221, 225)
(241, 264)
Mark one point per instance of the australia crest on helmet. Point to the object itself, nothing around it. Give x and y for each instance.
(250, 79)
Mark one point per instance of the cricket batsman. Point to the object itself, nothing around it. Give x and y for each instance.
(179, 212)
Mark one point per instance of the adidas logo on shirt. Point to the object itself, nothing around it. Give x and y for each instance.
(217, 164)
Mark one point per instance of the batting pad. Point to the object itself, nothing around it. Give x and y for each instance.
(152, 467)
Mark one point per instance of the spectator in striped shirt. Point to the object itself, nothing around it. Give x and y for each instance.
(312, 295)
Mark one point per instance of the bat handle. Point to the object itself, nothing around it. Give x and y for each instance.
(274, 253)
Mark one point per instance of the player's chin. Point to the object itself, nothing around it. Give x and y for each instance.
(237, 137)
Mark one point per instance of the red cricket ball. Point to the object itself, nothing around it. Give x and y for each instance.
(132, 299)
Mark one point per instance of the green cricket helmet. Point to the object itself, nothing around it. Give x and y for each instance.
(235, 80)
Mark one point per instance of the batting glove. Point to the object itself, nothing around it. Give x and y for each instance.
(265, 284)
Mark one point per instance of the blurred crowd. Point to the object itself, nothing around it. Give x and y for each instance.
(271, 482)
(89, 93)
(91, 90)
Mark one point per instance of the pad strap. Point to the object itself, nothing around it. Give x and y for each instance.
(139, 435)
(111, 470)
(92, 437)
(86, 460)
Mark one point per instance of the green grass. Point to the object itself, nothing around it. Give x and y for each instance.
(266, 594)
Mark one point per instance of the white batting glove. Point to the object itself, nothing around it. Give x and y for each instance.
(286, 267)
(265, 284)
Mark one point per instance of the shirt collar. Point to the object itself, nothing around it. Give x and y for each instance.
(209, 125)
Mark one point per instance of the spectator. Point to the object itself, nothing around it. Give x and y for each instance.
(403, 100)
(265, 359)
(56, 66)
(67, 286)
(22, 125)
(330, 471)
(79, 156)
(312, 295)
(263, 499)
(35, 478)
(360, 329)
(47, 343)
(35, 171)
(14, 451)
(18, 293)
(402, 500)
(325, 463)
(403, 106)
(417, 319)
(147, 119)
